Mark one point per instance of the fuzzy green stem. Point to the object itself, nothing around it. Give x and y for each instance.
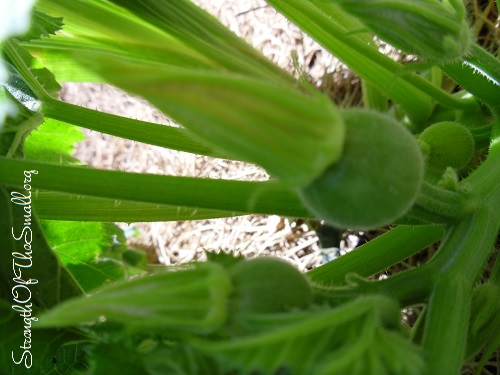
(457, 266)
(10, 51)
(155, 134)
(409, 288)
(59, 206)
(441, 206)
(269, 197)
(483, 182)
(384, 251)
(479, 74)
(447, 318)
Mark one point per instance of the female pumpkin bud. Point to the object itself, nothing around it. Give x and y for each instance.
(449, 144)
(376, 181)
(268, 285)
(433, 29)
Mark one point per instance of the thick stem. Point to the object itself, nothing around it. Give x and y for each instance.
(457, 266)
(379, 254)
(441, 206)
(268, 197)
(447, 320)
(483, 182)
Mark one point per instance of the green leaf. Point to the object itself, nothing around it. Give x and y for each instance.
(17, 86)
(45, 344)
(26, 87)
(84, 248)
(180, 359)
(53, 142)
(15, 129)
(324, 341)
(26, 256)
(42, 25)
(68, 359)
(115, 358)
(152, 357)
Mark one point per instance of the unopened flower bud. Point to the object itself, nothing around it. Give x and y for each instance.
(435, 30)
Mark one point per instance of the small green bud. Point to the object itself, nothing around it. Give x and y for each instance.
(433, 29)
(451, 145)
(449, 180)
(268, 285)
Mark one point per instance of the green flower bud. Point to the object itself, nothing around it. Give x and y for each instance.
(268, 285)
(433, 29)
(193, 300)
(293, 134)
(450, 145)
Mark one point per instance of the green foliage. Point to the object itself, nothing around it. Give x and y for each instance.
(42, 25)
(342, 337)
(443, 33)
(69, 360)
(20, 234)
(52, 142)
(81, 302)
(44, 345)
(90, 251)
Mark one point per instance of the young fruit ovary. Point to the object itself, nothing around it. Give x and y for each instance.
(377, 179)
(268, 285)
(450, 145)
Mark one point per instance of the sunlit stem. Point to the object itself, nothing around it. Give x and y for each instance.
(141, 131)
(10, 51)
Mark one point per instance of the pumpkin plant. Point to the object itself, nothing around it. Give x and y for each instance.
(421, 156)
